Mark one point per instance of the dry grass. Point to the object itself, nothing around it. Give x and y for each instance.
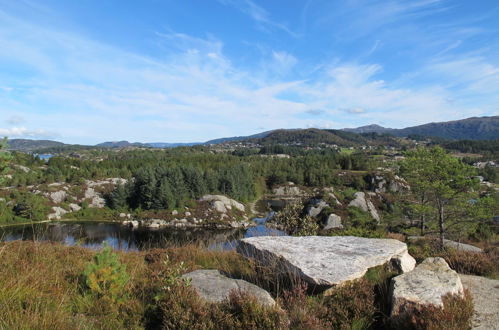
(464, 262)
(41, 287)
(455, 315)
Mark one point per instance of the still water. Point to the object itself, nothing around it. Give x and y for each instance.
(93, 234)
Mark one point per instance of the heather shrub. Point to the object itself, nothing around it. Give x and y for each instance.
(301, 309)
(465, 262)
(351, 304)
(456, 314)
(242, 311)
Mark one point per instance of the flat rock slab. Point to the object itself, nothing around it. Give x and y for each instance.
(425, 285)
(215, 287)
(485, 293)
(326, 261)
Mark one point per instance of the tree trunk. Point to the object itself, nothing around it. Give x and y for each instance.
(441, 227)
(423, 216)
(422, 224)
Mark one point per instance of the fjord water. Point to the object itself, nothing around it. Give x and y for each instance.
(92, 234)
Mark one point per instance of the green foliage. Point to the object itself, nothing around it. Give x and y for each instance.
(441, 181)
(292, 221)
(105, 277)
(360, 219)
(169, 278)
(31, 207)
(5, 158)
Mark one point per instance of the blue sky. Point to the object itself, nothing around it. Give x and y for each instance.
(181, 71)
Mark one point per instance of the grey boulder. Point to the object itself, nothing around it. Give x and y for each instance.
(425, 285)
(215, 287)
(323, 261)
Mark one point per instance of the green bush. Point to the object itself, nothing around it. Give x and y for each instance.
(291, 220)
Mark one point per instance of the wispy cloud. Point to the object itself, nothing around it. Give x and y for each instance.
(87, 91)
(15, 120)
(259, 15)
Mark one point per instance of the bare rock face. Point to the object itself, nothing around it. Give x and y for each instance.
(425, 285)
(329, 191)
(333, 221)
(222, 203)
(215, 287)
(289, 190)
(363, 203)
(58, 196)
(323, 261)
(57, 214)
(316, 206)
(485, 293)
(74, 207)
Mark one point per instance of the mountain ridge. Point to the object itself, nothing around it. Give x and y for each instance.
(473, 128)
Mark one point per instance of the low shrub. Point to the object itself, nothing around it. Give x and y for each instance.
(456, 314)
(464, 262)
(292, 221)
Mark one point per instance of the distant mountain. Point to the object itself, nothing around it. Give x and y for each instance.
(475, 128)
(120, 144)
(369, 129)
(314, 136)
(239, 138)
(171, 145)
(28, 145)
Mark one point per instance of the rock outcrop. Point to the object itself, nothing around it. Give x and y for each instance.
(425, 285)
(485, 293)
(324, 262)
(332, 221)
(363, 203)
(315, 207)
(57, 214)
(289, 191)
(58, 196)
(215, 287)
(222, 203)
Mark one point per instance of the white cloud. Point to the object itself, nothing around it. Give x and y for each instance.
(24, 132)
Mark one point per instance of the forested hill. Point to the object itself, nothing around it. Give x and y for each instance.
(314, 136)
(31, 145)
(475, 128)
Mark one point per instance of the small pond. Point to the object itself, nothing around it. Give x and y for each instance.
(92, 234)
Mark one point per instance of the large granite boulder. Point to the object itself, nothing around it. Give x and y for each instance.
(425, 285)
(363, 203)
(323, 261)
(222, 203)
(215, 287)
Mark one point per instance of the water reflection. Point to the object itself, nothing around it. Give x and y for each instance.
(93, 234)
